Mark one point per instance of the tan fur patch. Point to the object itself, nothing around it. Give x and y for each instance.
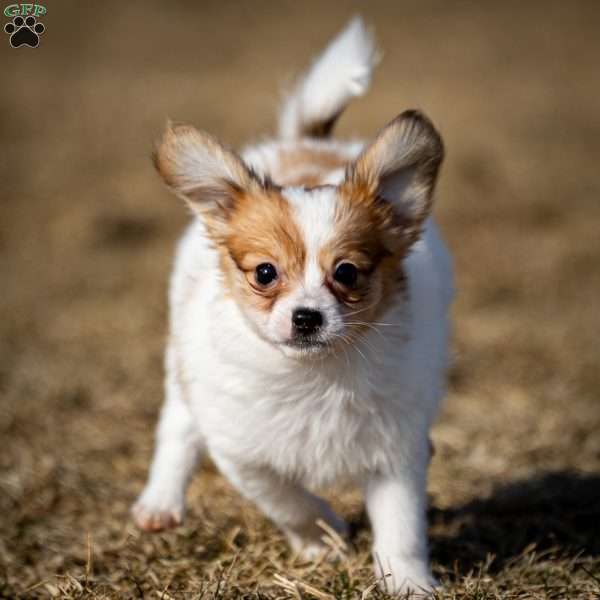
(306, 166)
(261, 229)
(368, 234)
(376, 223)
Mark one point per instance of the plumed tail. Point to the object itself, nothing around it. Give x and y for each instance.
(342, 72)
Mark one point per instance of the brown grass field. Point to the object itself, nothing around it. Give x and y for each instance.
(86, 241)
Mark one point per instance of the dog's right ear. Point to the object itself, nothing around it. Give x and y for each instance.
(200, 170)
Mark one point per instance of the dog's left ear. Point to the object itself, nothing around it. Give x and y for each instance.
(401, 167)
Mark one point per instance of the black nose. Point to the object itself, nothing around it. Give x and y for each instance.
(306, 320)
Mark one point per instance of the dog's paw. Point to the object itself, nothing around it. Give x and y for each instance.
(325, 540)
(399, 575)
(155, 512)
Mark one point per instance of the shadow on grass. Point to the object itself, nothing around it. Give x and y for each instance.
(557, 511)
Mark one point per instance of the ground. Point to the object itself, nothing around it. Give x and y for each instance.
(86, 242)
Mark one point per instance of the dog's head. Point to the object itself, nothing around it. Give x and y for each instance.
(310, 267)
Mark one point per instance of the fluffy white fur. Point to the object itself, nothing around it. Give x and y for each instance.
(280, 427)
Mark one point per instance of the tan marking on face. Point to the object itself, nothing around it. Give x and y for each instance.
(261, 229)
(305, 166)
(368, 234)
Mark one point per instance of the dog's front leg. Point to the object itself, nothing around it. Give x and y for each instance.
(289, 505)
(396, 507)
(178, 446)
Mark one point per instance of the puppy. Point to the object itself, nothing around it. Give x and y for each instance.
(308, 324)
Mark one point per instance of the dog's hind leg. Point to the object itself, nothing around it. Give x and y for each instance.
(289, 505)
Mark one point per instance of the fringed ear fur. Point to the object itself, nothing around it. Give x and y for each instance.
(400, 166)
(200, 170)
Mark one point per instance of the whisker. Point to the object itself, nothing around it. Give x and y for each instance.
(361, 310)
(368, 326)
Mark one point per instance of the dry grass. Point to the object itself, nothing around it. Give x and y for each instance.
(86, 238)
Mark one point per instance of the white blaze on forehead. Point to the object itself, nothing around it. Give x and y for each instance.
(314, 214)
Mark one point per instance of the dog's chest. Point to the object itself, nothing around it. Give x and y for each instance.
(326, 440)
(315, 428)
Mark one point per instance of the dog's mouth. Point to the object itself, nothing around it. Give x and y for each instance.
(307, 344)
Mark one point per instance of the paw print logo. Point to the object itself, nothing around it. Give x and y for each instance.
(24, 32)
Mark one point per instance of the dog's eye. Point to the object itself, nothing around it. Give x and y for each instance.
(346, 274)
(265, 274)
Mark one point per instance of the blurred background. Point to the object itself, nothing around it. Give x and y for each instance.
(86, 242)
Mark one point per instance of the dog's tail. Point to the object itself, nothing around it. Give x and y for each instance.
(342, 72)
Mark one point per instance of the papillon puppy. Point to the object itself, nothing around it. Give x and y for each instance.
(308, 319)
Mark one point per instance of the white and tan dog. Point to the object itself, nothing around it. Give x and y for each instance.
(309, 326)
